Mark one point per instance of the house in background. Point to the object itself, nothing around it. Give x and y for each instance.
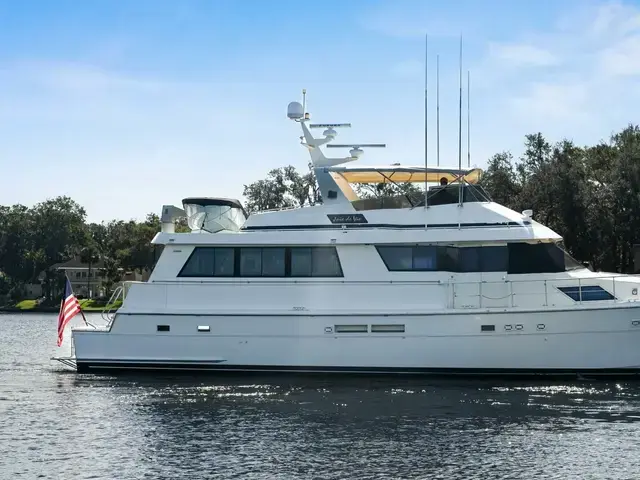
(85, 282)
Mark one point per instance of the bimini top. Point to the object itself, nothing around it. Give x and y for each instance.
(400, 174)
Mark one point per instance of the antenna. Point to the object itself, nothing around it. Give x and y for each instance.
(330, 125)
(438, 109)
(460, 128)
(468, 119)
(426, 129)
(357, 145)
(356, 150)
(304, 101)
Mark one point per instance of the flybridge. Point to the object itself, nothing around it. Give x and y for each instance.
(453, 185)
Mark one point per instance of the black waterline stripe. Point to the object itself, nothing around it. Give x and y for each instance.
(222, 368)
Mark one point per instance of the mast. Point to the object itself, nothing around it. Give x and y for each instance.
(468, 119)
(460, 127)
(438, 109)
(426, 129)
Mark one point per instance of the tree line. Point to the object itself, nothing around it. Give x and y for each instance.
(589, 194)
(32, 240)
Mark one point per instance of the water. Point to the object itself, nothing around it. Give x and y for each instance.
(57, 424)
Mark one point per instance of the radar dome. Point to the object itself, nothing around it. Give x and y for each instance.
(294, 111)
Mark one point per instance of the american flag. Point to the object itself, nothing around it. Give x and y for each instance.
(69, 308)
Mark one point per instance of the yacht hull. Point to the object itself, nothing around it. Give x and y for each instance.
(590, 341)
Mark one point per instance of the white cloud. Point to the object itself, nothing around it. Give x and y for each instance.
(588, 77)
(622, 58)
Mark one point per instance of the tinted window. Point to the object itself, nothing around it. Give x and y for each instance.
(250, 262)
(425, 258)
(535, 258)
(200, 264)
(262, 262)
(587, 293)
(325, 262)
(301, 262)
(469, 259)
(273, 262)
(494, 259)
(397, 258)
(223, 262)
(441, 258)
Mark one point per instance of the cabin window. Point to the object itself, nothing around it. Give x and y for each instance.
(401, 258)
(425, 258)
(397, 258)
(200, 264)
(262, 262)
(273, 264)
(223, 262)
(250, 262)
(325, 262)
(301, 262)
(535, 258)
(586, 293)
(517, 258)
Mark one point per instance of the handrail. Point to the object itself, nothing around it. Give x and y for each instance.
(504, 293)
(342, 281)
(108, 313)
(544, 294)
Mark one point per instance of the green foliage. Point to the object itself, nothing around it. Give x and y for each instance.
(32, 240)
(590, 195)
(283, 187)
(389, 189)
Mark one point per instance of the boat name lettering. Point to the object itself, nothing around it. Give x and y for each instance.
(348, 218)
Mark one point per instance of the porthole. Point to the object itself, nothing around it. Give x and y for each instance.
(508, 327)
(540, 326)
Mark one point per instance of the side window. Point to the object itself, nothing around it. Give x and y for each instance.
(224, 262)
(250, 262)
(535, 258)
(494, 259)
(200, 263)
(396, 258)
(469, 259)
(273, 264)
(325, 262)
(262, 262)
(425, 258)
(404, 258)
(301, 262)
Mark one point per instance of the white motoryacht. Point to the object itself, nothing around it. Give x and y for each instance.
(452, 283)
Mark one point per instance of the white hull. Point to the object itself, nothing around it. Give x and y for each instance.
(562, 341)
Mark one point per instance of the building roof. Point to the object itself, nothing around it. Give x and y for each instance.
(76, 264)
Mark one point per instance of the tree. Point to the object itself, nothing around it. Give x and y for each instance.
(283, 187)
(500, 180)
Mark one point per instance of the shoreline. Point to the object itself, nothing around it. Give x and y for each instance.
(16, 308)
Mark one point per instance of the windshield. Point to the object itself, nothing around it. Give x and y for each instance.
(570, 263)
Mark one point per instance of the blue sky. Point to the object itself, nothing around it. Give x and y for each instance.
(129, 105)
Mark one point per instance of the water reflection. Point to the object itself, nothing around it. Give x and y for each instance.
(59, 424)
(306, 426)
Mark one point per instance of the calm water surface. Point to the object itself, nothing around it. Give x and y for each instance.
(58, 424)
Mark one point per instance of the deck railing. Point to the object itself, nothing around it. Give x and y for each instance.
(448, 293)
